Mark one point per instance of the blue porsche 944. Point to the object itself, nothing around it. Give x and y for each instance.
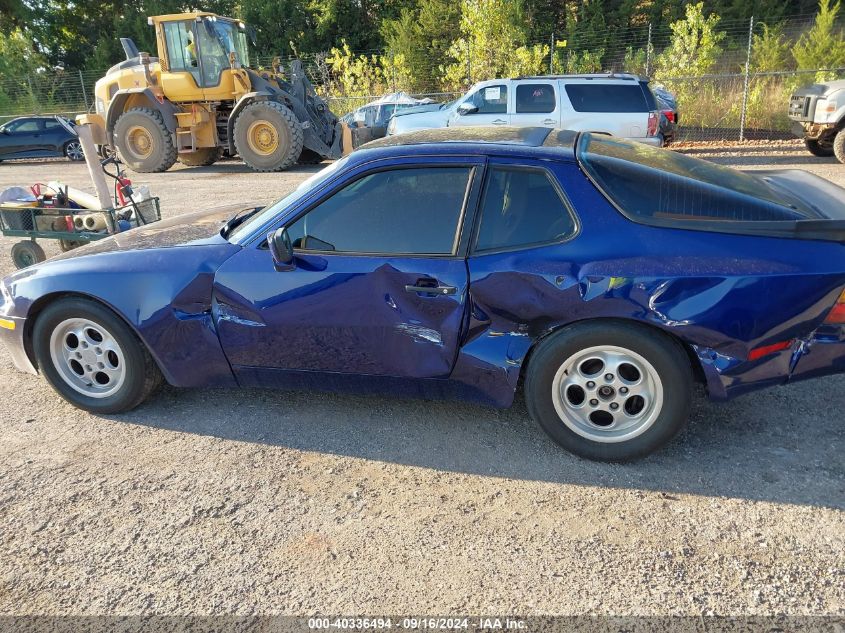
(604, 278)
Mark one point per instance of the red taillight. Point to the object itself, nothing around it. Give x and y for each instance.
(670, 115)
(759, 352)
(653, 122)
(837, 314)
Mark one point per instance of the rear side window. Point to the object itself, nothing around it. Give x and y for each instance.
(399, 211)
(604, 97)
(535, 98)
(650, 183)
(521, 207)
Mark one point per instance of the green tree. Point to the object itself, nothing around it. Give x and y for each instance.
(769, 50)
(423, 37)
(492, 43)
(823, 46)
(695, 45)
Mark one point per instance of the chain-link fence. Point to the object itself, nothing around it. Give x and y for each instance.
(736, 99)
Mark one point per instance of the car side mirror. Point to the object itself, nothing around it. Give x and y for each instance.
(467, 108)
(281, 249)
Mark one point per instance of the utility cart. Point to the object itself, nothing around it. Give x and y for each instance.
(73, 227)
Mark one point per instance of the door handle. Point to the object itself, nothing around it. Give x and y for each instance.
(432, 290)
(498, 121)
(549, 122)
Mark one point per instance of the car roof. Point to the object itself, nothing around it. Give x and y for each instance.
(527, 141)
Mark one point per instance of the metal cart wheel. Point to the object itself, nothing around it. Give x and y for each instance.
(27, 253)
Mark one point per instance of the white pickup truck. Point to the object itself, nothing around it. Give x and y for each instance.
(616, 104)
(818, 115)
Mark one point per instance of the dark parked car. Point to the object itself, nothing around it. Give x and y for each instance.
(670, 117)
(605, 276)
(39, 137)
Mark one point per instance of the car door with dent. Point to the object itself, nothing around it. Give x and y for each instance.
(378, 284)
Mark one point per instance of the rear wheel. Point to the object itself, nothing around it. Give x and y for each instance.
(200, 158)
(818, 148)
(27, 253)
(267, 136)
(73, 151)
(609, 391)
(144, 142)
(92, 358)
(839, 145)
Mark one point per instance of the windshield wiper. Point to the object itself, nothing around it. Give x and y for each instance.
(236, 220)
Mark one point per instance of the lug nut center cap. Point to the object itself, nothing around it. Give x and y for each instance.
(607, 392)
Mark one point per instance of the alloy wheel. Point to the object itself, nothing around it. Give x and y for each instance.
(607, 393)
(87, 357)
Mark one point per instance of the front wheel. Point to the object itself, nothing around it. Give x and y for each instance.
(817, 148)
(839, 145)
(268, 136)
(92, 358)
(609, 391)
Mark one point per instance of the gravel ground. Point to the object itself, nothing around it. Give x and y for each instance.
(261, 502)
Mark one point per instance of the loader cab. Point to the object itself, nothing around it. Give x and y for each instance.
(203, 56)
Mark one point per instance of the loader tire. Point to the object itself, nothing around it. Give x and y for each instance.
(267, 136)
(200, 158)
(839, 145)
(143, 141)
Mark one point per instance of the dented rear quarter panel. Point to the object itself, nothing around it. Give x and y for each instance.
(722, 295)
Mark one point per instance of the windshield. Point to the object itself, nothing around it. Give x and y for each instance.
(243, 231)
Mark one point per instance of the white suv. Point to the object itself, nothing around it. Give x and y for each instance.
(616, 104)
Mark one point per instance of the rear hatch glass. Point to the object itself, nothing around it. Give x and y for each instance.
(604, 97)
(647, 183)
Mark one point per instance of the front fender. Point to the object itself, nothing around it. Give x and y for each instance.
(164, 295)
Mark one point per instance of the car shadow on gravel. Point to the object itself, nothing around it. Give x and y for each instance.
(782, 445)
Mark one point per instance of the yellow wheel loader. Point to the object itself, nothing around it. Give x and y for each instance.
(200, 98)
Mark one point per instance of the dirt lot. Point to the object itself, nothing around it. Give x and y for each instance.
(256, 502)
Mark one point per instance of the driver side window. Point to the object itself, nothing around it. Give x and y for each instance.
(490, 100)
(398, 211)
(181, 48)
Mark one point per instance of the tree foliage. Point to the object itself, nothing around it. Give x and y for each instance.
(695, 46)
(823, 46)
(492, 43)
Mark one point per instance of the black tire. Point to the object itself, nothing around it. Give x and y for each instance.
(200, 158)
(839, 145)
(73, 151)
(69, 245)
(105, 151)
(665, 356)
(27, 253)
(142, 375)
(309, 157)
(281, 152)
(160, 154)
(817, 148)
